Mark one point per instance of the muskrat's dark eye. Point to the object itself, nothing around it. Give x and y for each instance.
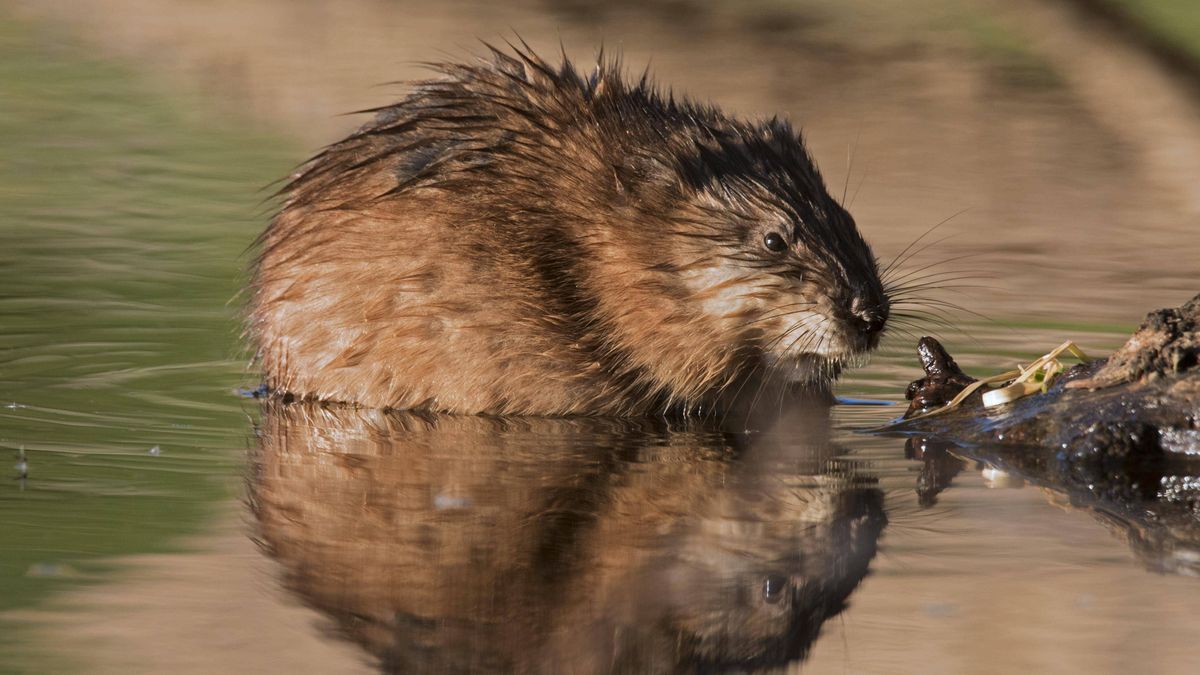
(772, 589)
(775, 242)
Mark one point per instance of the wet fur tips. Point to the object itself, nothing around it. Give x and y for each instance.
(521, 238)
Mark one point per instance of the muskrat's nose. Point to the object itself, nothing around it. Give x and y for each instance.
(870, 317)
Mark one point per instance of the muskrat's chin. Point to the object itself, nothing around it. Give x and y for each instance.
(825, 351)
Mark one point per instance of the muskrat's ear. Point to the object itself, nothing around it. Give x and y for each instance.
(640, 177)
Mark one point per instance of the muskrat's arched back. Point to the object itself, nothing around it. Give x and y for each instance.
(515, 237)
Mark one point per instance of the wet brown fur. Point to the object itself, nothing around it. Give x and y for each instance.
(518, 238)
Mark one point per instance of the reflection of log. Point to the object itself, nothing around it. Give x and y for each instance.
(461, 544)
(1120, 437)
(939, 467)
(1155, 509)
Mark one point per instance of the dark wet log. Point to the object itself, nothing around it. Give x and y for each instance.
(1141, 403)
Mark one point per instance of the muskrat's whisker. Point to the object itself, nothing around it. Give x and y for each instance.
(944, 276)
(927, 313)
(916, 275)
(939, 318)
(908, 337)
(918, 291)
(898, 264)
(919, 320)
(815, 332)
(849, 168)
(744, 381)
(739, 373)
(916, 315)
(935, 263)
(904, 323)
(778, 315)
(914, 294)
(762, 385)
(897, 260)
(910, 289)
(858, 187)
(905, 320)
(934, 283)
(767, 371)
(823, 319)
(906, 274)
(936, 286)
(779, 338)
(905, 332)
(926, 302)
(782, 315)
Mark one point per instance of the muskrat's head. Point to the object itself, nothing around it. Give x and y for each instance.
(738, 216)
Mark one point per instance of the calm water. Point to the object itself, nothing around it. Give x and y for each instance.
(167, 524)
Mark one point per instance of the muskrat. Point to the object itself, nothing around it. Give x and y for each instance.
(519, 238)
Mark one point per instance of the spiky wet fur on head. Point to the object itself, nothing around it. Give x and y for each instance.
(518, 238)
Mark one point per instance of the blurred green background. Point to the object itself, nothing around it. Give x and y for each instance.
(124, 219)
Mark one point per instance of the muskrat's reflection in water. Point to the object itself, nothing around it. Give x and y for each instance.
(473, 544)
